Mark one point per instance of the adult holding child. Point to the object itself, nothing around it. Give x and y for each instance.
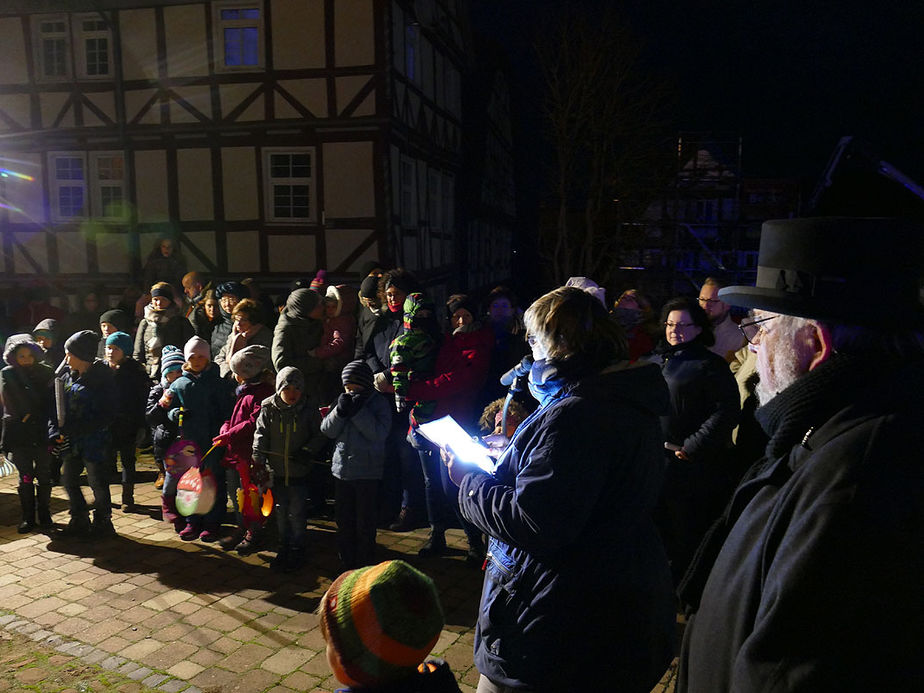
(577, 585)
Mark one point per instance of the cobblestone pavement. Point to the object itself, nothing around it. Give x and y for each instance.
(178, 616)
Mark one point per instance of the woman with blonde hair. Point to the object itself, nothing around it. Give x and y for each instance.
(577, 585)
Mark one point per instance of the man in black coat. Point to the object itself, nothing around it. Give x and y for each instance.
(812, 579)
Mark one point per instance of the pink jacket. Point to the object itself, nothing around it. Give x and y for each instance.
(339, 336)
(243, 422)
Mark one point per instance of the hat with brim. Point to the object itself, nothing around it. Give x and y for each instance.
(860, 271)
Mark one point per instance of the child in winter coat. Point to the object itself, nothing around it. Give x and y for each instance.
(359, 423)
(251, 369)
(287, 437)
(392, 603)
(83, 438)
(204, 399)
(132, 387)
(336, 348)
(413, 352)
(164, 431)
(26, 397)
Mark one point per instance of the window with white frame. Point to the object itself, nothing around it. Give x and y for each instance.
(238, 36)
(289, 185)
(91, 38)
(52, 48)
(93, 41)
(408, 185)
(107, 188)
(78, 191)
(68, 185)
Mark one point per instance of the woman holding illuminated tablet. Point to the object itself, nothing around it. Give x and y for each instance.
(577, 586)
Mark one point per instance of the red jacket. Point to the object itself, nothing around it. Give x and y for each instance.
(339, 335)
(460, 371)
(243, 422)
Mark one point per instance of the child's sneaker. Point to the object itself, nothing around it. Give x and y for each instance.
(208, 535)
(190, 532)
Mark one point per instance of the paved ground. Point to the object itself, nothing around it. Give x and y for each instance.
(177, 616)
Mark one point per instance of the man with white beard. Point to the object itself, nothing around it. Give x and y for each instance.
(813, 578)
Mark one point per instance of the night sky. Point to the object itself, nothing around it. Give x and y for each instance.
(791, 78)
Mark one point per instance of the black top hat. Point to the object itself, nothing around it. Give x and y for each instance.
(862, 271)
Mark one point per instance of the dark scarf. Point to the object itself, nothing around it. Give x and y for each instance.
(789, 419)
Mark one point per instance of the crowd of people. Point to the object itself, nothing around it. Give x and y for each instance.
(645, 460)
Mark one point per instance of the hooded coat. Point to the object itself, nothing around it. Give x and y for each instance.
(241, 426)
(359, 452)
(577, 585)
(206, 399)
(296, 334)
(288, 436)
(55, 355)
(26, 394)
(157, 329)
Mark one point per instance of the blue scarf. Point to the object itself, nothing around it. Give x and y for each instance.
(545, 383)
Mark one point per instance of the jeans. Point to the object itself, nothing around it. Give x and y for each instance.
(486, 685)
(126, 453)
(99, 484)
(292, 514)
(437, 506)
(33, 462)
(356, 519)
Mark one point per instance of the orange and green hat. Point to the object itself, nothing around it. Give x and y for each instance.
(382, 620)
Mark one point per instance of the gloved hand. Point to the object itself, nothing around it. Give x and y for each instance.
(382, 382)
(61, 445)
(345, 408)
(261, 475)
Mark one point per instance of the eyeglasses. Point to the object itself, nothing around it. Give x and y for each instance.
(751, 330)
(679, 325)
(709, 300)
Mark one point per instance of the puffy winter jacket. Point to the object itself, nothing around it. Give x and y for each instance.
(287, 437)
(360, 449)
(241, 426)
(295, 335)
(25, 393)
(577, 585)
(206, 399)
(90, 407)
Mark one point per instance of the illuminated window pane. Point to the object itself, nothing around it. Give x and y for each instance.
(70, 201)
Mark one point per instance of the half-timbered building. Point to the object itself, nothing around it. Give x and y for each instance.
(271, 137)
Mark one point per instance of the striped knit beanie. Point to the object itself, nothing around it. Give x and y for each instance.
(171, 359)
(357, 373)
(382, 621)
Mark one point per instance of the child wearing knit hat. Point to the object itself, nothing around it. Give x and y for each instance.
(205, 400)
(132, 385)
(359, 423)
(287, 439)
(380, 623)
(251, 369)
(164, 431)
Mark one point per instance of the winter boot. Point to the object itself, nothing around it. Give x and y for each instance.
(435, 544)
(128, 497)
(77, 528)
(102, 527)
(27, 502)
(44, 506)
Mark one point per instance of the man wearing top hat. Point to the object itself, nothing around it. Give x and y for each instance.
(813, 578)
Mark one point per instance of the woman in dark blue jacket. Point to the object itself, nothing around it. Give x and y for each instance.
(577, 588)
